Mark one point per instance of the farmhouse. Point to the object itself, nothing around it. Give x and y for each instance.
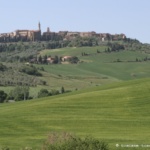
(66, 58)
(71, 59)
(50, 60)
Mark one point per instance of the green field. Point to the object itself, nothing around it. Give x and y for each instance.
(110, 100)
(117, 113)
(102, 64)
(96, 69)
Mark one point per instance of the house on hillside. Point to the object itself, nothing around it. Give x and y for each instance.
(50, 60)
(71, 59)
(66, 58)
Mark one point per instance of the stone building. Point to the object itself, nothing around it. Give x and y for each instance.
(36, 35)
(32, 35)
(48, 35)
(27, 35)
(87, 34)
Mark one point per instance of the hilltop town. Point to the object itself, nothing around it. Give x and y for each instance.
(37, 35)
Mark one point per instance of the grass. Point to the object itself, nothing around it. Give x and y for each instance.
(115, 113)
(96, 69)
(102, 64)
(74, 51)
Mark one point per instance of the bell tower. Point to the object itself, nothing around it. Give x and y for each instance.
(39, 32)
(48, 30)
(39, 25)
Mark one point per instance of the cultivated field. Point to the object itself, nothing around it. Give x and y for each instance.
(117, 113)
(95, 69)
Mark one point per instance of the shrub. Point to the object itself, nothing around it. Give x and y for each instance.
(54, 92)
(4, 148)
(66, 141)
(43, 93)
(74, 60)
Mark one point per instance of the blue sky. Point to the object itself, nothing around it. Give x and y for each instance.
(131, 17)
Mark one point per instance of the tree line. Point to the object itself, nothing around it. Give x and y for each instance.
(20, 93)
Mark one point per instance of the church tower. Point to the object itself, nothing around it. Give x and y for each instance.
(39, 25)
(48, 30)
(39, 32)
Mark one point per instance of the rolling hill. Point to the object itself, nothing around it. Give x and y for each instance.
(95, 69)
(117, 113)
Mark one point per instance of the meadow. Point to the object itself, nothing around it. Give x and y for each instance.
(116, 113)
(110, 100)
(95, 69)
(101, 64)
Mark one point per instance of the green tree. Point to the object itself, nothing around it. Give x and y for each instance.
(40, 59)
(62, 90)
(25, 92)
(3, 96)
(43, 93)
(56, 61)
(19, 93)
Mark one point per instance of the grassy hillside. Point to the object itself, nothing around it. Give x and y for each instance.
(101, 64)
(116, 113)
(96, 69)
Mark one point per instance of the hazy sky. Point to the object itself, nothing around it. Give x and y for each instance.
(131, 17)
